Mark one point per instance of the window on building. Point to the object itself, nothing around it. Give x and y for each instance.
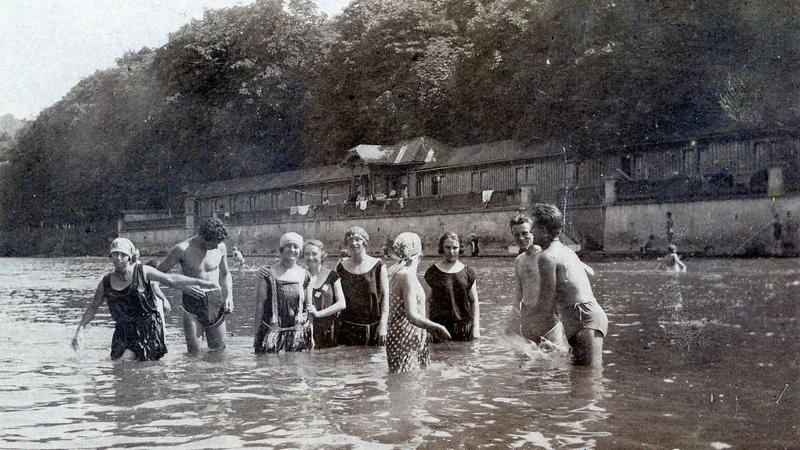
(436, 182)
(253, 202)
(520, 176)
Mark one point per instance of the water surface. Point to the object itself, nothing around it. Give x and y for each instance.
(707, 359)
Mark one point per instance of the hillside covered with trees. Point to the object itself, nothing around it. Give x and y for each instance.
(276, 85)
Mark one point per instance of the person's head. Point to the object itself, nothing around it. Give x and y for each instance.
(669, 214)
(290, 246)
(672, 248)
(213, 232)
(122, 252)
(450, 246)
(152, 263)
(314, 252)
(235, 248)
(521, 225)
(548, 222)
(356, 239)
(407, 246)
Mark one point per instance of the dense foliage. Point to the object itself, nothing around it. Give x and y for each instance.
(275, 85)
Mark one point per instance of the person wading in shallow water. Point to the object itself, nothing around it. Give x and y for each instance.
(204, 256)
(139, 328)
(564, 286)
(365, 284)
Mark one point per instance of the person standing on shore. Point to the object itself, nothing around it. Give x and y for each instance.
(365, 284)
(204, 256)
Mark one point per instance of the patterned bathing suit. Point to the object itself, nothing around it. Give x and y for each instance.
(139, 327)
(284, 324)
(406, 344)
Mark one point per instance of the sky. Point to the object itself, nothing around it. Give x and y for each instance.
(48, 46)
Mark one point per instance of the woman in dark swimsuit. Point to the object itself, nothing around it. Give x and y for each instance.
(452, 292)
(139, 328)
(365, 284)
(327, 292)
(283, 302)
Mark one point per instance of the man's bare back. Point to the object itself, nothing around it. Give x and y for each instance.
(536, 318)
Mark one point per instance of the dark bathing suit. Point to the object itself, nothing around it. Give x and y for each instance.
(326, 328)
(450, 304)
(209, 310)
(139, 327)
(358, 323)
(284, 308)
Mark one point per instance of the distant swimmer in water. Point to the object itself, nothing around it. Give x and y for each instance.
(564, 286)
(238, 259)
(204, 256)
(671, 261)
(139, 328)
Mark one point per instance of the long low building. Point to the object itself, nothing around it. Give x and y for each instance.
(725, 194)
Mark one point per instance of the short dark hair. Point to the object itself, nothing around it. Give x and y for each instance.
(548, 217)
(212, 229)
(519, 219)
(152, 263)
(453, 237)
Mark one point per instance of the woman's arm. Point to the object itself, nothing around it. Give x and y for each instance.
(261, 295)
(383, 325)
(476, 311)
(88, 315)
(410, 302)
(339, 303)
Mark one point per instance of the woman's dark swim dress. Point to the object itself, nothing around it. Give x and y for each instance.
(358, 323)
(285, 325)
(325, 328)
(139, 327)
(450, 304)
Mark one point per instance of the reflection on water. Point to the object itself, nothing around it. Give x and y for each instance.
(706, 359)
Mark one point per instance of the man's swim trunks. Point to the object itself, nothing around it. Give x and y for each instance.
(209, 310)
(578, 316)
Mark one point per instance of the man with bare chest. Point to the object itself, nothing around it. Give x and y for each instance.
(537, 321)
(204, 256)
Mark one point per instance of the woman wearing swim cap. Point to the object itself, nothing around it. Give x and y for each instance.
(139, 329)
(407, 340)
(283, 301)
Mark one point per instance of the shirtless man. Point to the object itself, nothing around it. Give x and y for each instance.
(564, 287)
(533, 320)
(204, 256)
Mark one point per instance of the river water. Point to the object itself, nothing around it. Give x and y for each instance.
(707, 359)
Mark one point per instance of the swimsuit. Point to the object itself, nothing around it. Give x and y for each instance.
(358, 323)
(139, 327)
(577, 316)
(450, 304)
(325, 328)
(209, 310)
(406, 344)
(284, 324)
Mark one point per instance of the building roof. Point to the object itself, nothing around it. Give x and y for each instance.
(276, 180)
(490, 153)
(411, 152)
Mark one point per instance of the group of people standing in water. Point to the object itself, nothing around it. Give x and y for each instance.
(301, 304)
